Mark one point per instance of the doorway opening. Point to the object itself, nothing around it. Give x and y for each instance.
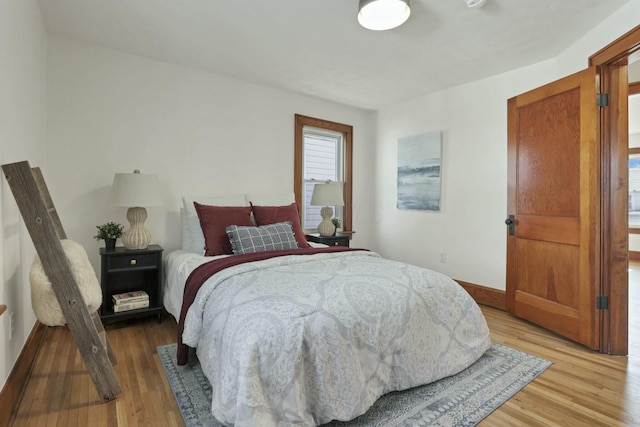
(613, 64)
(634, 208)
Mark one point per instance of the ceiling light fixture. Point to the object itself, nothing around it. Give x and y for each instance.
(381, 15)
(475, 3)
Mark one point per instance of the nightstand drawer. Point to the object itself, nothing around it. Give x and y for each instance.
(337, 240)
(332, 241)
(132, 261)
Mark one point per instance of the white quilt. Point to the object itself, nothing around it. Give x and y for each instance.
(303, 340)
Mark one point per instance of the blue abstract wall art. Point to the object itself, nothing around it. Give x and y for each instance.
(420, 171)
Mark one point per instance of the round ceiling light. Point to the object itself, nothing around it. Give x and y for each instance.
(381, 15)
(475, 3)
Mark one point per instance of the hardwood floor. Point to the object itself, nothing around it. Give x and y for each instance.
(61, 393)
(581, 388)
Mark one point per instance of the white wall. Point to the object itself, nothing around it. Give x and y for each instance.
(470, 228)
(22, 130)
(576, 57)
(203, 134)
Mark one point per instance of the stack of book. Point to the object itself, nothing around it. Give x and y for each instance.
(130, 301)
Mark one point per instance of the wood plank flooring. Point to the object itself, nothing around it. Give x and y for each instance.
(581, 388)
(61, 393)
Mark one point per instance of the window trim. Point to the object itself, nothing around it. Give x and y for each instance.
(347, 164)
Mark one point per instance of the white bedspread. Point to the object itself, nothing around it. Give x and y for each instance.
(303, 340)
(177, 267)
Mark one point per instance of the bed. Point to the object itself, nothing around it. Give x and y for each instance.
(306, 335)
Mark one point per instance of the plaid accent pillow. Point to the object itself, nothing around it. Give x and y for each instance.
(272, 237)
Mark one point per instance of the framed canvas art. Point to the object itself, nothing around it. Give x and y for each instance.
(420, 172)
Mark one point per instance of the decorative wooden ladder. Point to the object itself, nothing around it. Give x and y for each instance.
(45, 228)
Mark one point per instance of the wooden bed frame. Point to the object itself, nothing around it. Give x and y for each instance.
(45, 228)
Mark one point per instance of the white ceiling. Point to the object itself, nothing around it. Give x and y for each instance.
(316, 47)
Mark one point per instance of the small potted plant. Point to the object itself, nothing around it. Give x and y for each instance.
(109, 232)
(337, 222)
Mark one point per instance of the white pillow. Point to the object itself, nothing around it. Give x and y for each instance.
(192, 237)
(185, 231)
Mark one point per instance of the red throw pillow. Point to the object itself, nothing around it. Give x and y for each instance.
(214, 221)
(265, 215)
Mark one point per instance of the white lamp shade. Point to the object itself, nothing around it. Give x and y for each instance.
(382, 15)
(329, 194)
(135, 189)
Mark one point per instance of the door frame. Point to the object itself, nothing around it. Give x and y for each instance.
(611, 62)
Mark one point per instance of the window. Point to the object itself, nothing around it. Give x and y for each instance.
(322, 161)
(323, 151)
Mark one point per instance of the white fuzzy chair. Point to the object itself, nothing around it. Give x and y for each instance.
(43, 299)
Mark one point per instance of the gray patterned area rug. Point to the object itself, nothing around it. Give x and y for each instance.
(463, 399)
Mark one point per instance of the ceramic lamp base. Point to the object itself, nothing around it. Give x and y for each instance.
(326, 227)
(136, 237)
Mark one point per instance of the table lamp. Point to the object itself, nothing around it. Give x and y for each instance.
(135, 191)
(328, 195)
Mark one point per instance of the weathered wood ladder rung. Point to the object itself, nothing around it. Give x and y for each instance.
(45, 228)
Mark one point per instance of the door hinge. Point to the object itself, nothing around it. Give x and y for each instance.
(602, 303)
(602, 99)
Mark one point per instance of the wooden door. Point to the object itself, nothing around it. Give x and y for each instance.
(553, 202)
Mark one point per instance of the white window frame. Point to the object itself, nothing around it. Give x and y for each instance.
(312, 132)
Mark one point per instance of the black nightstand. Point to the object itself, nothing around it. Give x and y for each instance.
(126, 270)
(337, 240)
